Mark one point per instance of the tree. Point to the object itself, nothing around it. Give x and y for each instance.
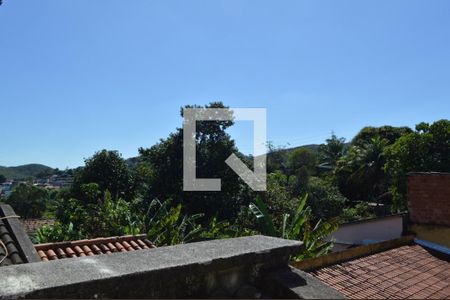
(302, 158)
(360, 173)
(333, 150)
(325, 199)
(360, 211)
(276, 158)
(389, 133)
(279, 197)
(109, 171)
(161, 170)
(427, 149)
(28, 201)
(45, 173)
(2, 178)
(301, 164)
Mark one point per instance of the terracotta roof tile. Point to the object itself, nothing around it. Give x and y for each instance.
(98, 246)
(120, 247)
(104, 249)
(96, 249)
(42, 255)
(70, 252)
(404, 272)
(51, 254)
(111, 247)
(12, 253)
(135, 245)
(15, 245)
(60, 252)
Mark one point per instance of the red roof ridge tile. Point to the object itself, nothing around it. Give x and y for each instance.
(94, 241)
(90, 247)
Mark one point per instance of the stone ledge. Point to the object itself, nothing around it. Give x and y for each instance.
(189, 270)
(288, 282)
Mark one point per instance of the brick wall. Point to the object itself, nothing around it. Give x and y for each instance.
(429, 198)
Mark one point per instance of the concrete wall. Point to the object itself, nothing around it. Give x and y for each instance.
(433, 233)
(246, 267)
(369, 231)
(429, 198)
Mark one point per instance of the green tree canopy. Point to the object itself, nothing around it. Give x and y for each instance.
(325, 199)
(390, 133)
(109, 171)
(276, 158)
(360, 173)
(300, 158)
(161, 169)
(301, 163)
(28, 201)
(424, 150)
(332, 150)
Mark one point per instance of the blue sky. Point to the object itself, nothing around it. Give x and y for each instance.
(80, 76)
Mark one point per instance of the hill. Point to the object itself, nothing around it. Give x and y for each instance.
(31, 171)
(25, 171)
(312, 147)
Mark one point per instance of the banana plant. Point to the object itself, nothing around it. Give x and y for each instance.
(298, 227)
(167, 226)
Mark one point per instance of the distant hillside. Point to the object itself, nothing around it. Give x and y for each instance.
(24, 172)
(313, 147)
(30, 171)
(132, 162)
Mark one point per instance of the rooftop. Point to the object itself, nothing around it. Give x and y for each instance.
(91, 247)
(409, 266)
(15, 245)
(406, 272)
(10, 255)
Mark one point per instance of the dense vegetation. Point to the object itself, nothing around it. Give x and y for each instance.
(310, 189)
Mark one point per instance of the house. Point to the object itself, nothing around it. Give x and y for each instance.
(61, 181)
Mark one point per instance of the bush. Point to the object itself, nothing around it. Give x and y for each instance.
(57, 233)
(28, 201)
(425, 150)
(360, 211)
(325, 199)
(297, 226)
(107, 217)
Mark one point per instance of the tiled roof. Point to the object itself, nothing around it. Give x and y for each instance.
(13, 256)
(98, 246)
(404, 272)
(16, 246)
